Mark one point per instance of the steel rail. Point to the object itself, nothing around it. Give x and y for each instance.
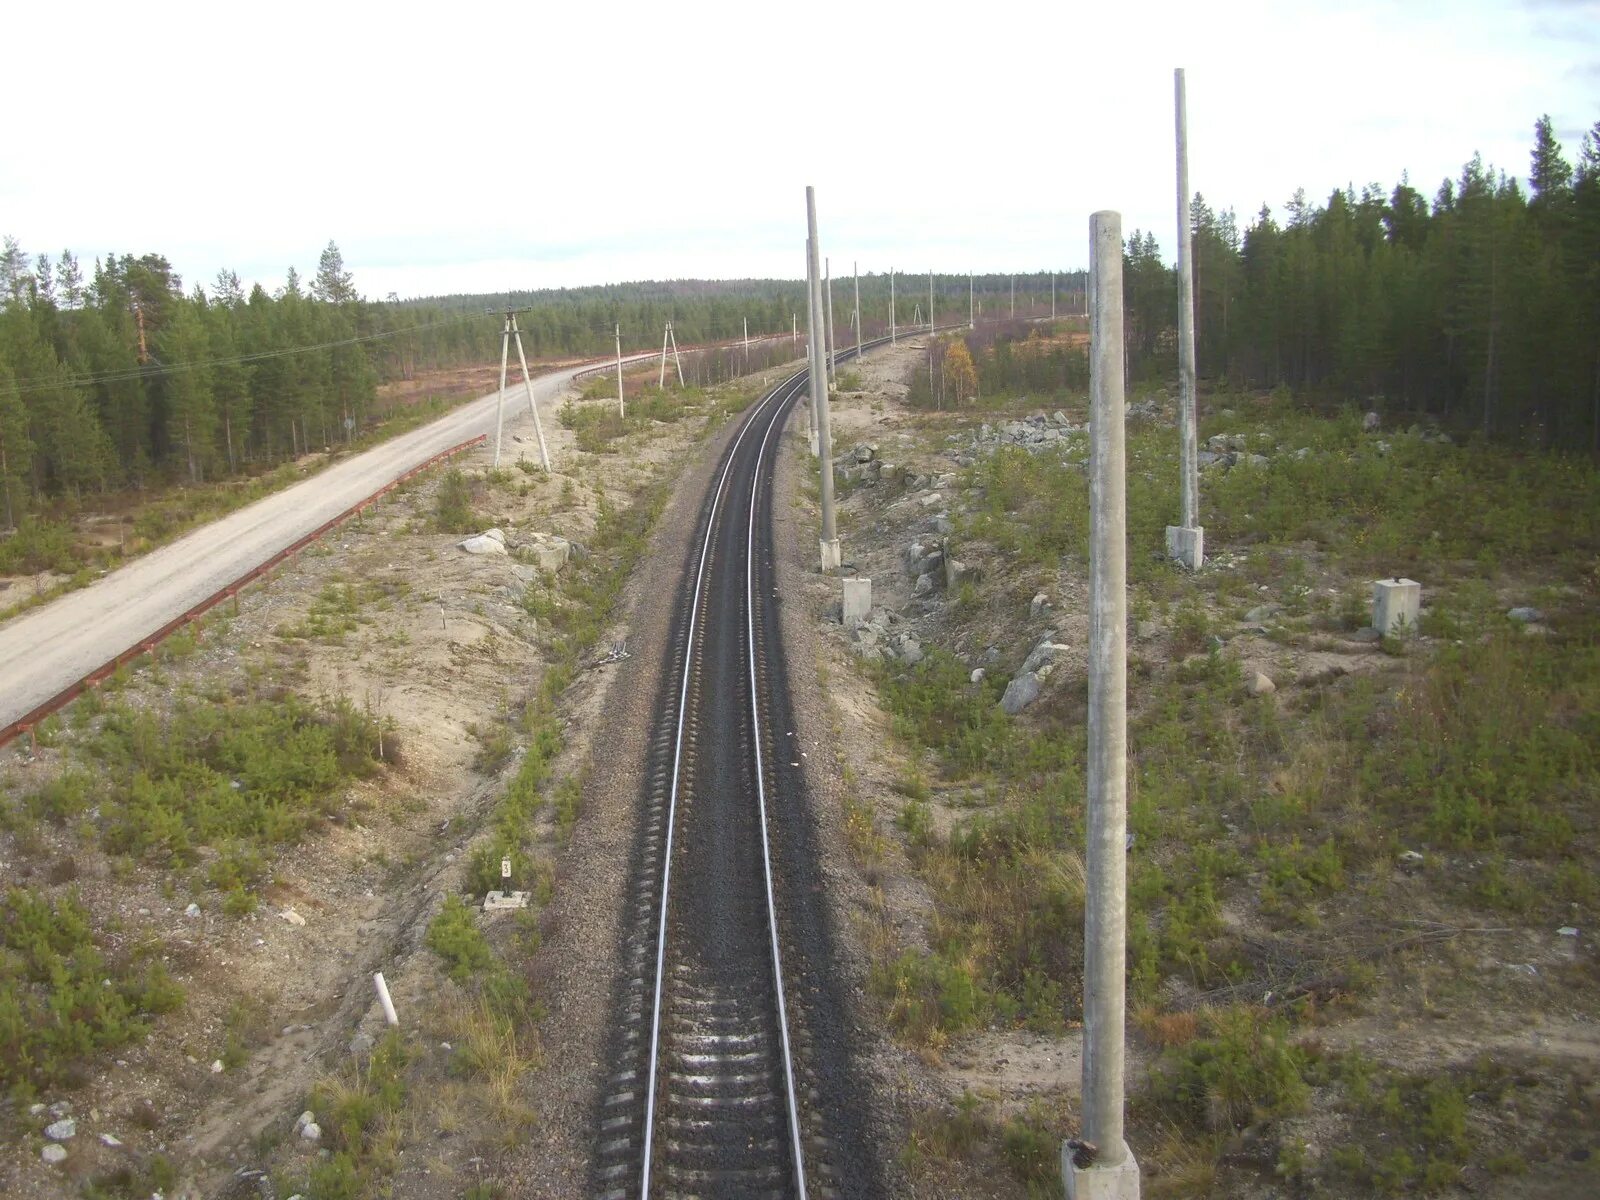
(787, 391)
(771, 409)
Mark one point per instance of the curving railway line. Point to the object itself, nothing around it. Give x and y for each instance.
(730, 1058)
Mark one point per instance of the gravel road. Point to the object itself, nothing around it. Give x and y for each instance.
(48, 649)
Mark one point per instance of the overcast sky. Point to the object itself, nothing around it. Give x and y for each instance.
(469, 147)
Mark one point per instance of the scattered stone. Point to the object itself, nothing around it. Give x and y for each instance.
(54, 1155)
(192, 911)
(111, 1141)
(865, 452)
(61, 1108)
(490, 541)
(1255, 460)
(1262, 612)
(35, 1110)
(866, 635)
(977, 674)
(1411, 860)
(957, 572)
(1370, 422)
(311, 1132)
(1567, 931)
(292, 917)
(63, 1130)
(216, 1066)
(546, 551)
(1525, 615)
(910, 649)
(1022, 691)
(1044, 654)
(1260, 685)
(1039, 604)
(924, 585)
(306, 1118)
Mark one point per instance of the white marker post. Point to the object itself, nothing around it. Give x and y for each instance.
(1108, 1170)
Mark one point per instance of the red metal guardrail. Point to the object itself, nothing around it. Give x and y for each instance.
(147, 645)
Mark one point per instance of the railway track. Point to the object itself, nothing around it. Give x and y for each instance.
(731, 1070)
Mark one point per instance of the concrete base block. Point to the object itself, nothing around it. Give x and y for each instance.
(501, 901)
(1396, 604)
(1120, 1182)
(812, 440)
(1187, 545)
(857, 601)
(832, 554)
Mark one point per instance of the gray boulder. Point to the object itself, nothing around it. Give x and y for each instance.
(490, 541)
(1022, 691)
(1525, 615)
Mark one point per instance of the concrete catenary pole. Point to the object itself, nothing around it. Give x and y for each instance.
(1189, 473)
(892, 340)
(855, 270)
(972, 312)
(1013, 297)
(1106, 905)
(527, 382)
(621, 409)
(832, 335)
(500, 398)
(794, 329)
(747, 345)
(930, 308)
(661, 379)
(829, 542)
(1052, 295)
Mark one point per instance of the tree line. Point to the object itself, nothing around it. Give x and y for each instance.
(1480, 308)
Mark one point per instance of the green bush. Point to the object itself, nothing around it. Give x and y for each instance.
(61, 999)
(1243, 1069)
(455, 937)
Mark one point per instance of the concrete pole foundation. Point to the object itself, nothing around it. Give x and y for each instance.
(1396, 605)
(1096, 1182)
(857, 601)
(1186, 546)
(832, 554)
(1105, 921)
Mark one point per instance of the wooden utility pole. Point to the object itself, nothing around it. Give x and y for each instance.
(511, 333)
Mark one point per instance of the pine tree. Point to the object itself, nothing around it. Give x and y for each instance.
(16, 449)
(333, 283)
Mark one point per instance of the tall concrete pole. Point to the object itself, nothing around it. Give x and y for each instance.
(930, 309)
(855, 270)
(1106, 907)
(661, 380)
(500, 399)
(1013, 297)
(1189, 473)
(892, 339)
(747, 345)
(832, 336)
(829, 542)
(972, 313)
(794, 329)
(527, 382)
(621, 410)
(1052, 295)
